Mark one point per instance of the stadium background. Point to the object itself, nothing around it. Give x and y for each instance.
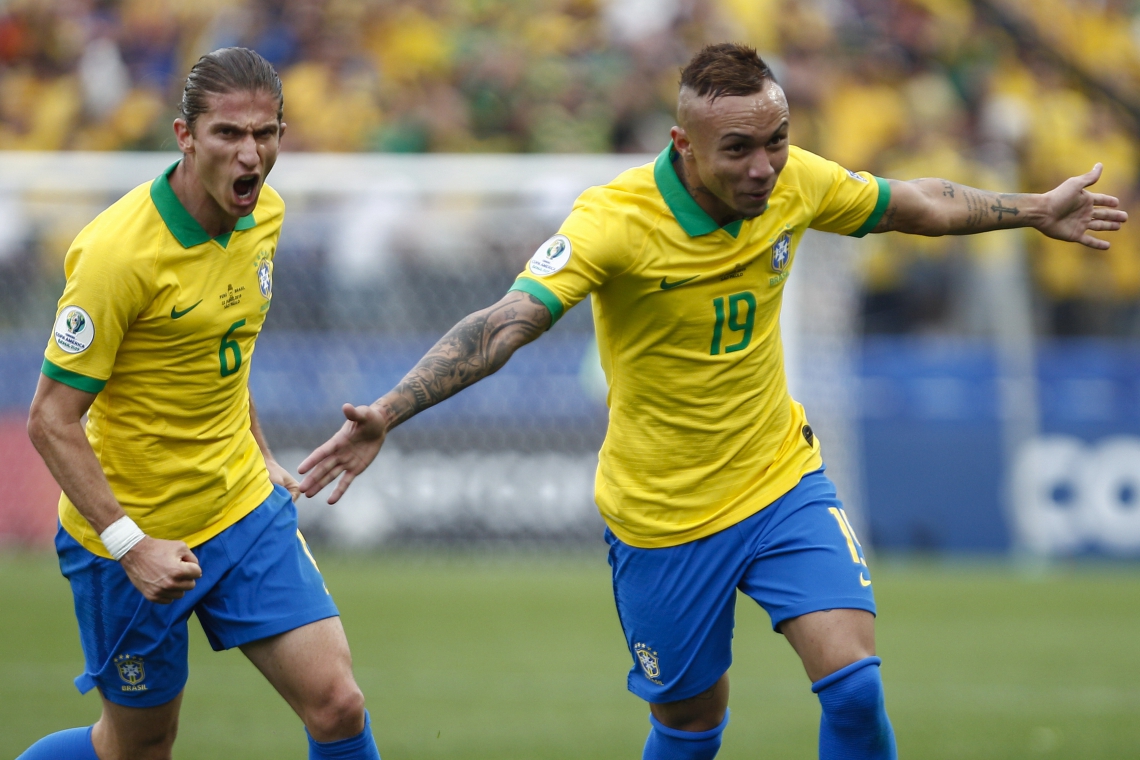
(978, 399)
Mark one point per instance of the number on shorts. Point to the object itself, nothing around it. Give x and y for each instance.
(848, 532)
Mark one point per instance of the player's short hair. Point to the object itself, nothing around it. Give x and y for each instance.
(726, 69)
(232, 69)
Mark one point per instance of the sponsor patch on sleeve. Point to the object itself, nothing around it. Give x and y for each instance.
(74, 330)
(550, 256)
(853, 175)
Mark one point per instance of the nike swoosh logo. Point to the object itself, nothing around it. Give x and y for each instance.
(176, 314)
(864, 581)
(669, 285)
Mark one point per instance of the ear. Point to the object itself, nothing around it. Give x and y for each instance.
(184, 136)
(681, 142)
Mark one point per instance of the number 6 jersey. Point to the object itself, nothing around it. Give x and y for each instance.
(160, 321)
(702, 431)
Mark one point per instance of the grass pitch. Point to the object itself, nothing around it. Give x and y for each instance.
(522, 657)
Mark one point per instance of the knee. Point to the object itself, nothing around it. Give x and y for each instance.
(665, 743)
(703, 712)
(339, 714)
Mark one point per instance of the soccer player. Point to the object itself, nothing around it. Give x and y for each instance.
(172, 502)
(710, 478)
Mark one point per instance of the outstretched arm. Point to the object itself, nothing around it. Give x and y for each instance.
(476, 347)
(939, 207)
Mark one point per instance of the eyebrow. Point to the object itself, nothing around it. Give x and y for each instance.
(744, 136)
(237, 127)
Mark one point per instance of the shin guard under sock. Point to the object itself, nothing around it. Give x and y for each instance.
(666, 743)
(72, 744)
(359, 747)
(854, 724)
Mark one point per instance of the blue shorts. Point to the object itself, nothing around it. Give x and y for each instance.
(258, 580)
(677, 604)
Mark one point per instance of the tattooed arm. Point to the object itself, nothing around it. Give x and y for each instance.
(476, 347)
(939, 207)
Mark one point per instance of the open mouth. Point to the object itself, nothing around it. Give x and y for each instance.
(244, 187)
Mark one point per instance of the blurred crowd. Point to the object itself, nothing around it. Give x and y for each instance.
(903, 88)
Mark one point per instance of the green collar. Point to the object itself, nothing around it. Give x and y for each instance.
(688, 213)
(184, 227)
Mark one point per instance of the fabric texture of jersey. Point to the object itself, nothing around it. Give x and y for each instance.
(677, 605)
(160, 321)
(702, 431)
(258, 580)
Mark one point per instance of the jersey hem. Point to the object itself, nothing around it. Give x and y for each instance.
(72, 379)
(542, 293)
(89, 540)
(714, 526)
(877, 212)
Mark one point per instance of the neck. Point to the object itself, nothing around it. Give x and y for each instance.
(199, 203)
(719, 211)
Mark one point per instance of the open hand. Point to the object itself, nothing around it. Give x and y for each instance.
(1071, 211)
(349, 451)
(161, 570)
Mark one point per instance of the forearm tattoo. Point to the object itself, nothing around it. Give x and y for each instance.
(953, 209)
(476, 347)
(988, 210)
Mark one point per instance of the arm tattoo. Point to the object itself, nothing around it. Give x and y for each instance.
(887, 223)
(999, 208)
(476, 347)
(942, 207)
(977, 208)
(981, 208)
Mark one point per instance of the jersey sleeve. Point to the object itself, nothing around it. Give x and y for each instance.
(105, 291)
(847, 202)
(593, 245)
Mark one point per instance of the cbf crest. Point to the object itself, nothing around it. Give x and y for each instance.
(647, 658)
(265, 275)
(132, 671)
(782, 253)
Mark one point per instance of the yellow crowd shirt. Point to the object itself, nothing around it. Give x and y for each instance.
(702, 431)
(160, 320)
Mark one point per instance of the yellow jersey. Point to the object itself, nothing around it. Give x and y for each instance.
(702, 431)
(160, 321)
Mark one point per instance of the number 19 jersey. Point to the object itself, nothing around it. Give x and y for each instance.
(702, 430)
(159, 319)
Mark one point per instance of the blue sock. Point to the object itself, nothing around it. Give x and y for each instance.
(72, 744)
(854, 724)
(666, 743)
(359, 747)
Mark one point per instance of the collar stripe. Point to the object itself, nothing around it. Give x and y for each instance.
(181, 224)
(688, 213)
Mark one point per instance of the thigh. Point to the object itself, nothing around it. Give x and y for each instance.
(309, 666)
(676, 606)
(807, 558)
(273, 584)
(135, 651)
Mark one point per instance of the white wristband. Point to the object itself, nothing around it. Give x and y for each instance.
(121, 536)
